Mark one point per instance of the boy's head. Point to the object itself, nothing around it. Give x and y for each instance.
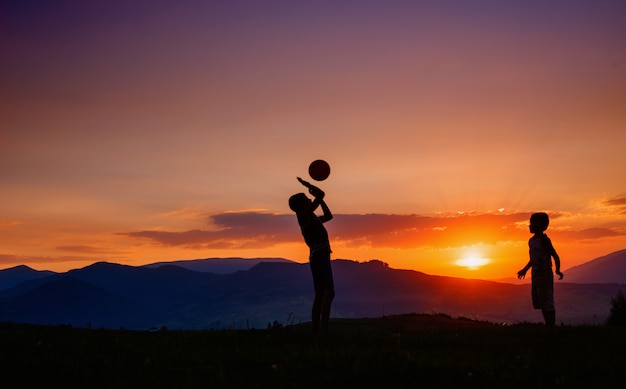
(299, 202)
(539, 222)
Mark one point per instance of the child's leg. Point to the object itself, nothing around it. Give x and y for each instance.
(550, 317)
(316, 312)
(328, 296)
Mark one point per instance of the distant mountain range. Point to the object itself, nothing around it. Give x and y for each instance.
(250, 293)
(219, 265)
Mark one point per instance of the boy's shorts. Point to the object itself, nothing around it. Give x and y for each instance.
(322, 272)
(543, 289)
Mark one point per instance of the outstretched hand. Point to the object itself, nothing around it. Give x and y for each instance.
(521, 274)
(313, 190)
(305, 183)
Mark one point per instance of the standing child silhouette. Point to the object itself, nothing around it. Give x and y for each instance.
(541, 251)
(316, 237)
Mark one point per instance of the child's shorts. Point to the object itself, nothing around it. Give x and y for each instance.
(543, 289)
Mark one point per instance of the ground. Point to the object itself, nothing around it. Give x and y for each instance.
(395, 351)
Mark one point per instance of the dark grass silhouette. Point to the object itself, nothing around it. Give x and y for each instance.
(395, 351)
(618, 310)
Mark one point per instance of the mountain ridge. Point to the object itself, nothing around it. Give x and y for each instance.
(16, 275)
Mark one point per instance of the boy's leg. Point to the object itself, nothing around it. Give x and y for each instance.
(327, 300)
(543, 295)
(550, 317)
(316, 312)
(324, 290)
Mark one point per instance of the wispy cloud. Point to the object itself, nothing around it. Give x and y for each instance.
(9, 223)
(7, 259)
(619, 203)
(616, 201)
(588, 234)
(85, 249)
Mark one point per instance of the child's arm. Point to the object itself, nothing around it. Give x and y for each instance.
(319, 200)
(327, 214)
(557, 265)
(317, 193)
(557, 261)
(314, 190)
(522, 273)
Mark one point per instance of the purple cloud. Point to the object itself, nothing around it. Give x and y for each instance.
(251, 230)
(232, 230)
(259, 230)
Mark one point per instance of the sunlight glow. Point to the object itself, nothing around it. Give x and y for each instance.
(472, 262)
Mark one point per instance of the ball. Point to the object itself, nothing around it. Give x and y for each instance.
(319, 170)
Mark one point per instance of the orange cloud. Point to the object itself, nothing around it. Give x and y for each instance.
(85, 249)
(412, 231)
(586, 234)
(618, 201)
(27, 259)
(9, 223)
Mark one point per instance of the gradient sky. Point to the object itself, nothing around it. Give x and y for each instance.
(142, 131)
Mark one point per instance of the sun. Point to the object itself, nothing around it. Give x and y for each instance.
(472, 261)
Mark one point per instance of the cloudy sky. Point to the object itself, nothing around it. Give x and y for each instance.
(142, 131)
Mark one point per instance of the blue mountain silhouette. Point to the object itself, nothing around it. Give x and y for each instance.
(18, 274)
(219, 265)
(112, 295)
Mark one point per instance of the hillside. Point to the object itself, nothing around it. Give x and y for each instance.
(604, 270)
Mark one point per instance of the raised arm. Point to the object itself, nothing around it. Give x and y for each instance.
(327, 214)
(318, 195)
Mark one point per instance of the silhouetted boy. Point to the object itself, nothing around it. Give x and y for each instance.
(541, 252)
(316, 237)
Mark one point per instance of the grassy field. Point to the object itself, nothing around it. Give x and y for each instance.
(405, 351)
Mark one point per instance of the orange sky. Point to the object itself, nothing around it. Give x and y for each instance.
(136, 133)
